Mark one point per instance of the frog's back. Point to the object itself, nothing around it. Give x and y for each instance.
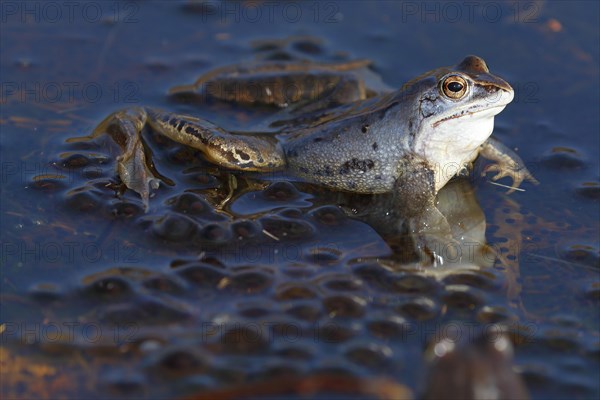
(358, 153)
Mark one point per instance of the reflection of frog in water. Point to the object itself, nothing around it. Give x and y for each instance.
(411, 141)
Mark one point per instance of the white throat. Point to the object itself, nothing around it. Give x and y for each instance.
(451, 144)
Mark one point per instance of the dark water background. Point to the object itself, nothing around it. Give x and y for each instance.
(99, 299)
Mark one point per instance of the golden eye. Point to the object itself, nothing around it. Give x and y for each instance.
(454, 87)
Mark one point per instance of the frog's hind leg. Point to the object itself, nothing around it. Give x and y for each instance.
(234, 151)
(237, 151)
(134, 164)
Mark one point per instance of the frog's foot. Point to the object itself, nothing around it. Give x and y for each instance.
(506, 163)
(134, 164)
(518, 173)
(134, 171)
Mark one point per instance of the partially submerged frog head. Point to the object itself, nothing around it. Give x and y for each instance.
(452, 110)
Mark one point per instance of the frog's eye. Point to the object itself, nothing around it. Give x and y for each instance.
(454, 87)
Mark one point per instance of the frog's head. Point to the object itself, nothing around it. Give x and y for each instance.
(452, 111)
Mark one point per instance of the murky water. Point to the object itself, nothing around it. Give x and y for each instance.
(102, 299)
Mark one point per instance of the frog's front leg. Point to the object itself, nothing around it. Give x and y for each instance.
(230, 150)
(506, 163)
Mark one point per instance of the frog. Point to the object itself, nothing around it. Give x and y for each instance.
(341, 136)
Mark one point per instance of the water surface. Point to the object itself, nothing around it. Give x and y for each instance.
(101, 299)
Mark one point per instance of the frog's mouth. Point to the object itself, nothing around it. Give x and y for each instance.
(487, 111)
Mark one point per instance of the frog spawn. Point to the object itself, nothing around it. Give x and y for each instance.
(355, 336)
(363, 314)
(254, 294)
